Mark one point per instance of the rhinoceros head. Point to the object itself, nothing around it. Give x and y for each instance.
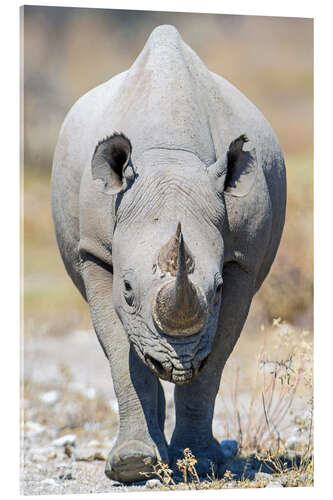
(167, 251)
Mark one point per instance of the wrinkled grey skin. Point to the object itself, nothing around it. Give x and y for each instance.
(180, 120)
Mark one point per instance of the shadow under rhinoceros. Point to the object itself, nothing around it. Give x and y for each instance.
(247, 467)
(241, 468)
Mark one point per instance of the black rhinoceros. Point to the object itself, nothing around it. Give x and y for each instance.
(168, 200)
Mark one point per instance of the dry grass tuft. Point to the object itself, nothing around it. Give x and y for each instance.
(282, 387)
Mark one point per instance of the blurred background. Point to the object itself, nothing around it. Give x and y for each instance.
(68, 51)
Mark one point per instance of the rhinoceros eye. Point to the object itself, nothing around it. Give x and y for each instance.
(129, 294)
(127, 286)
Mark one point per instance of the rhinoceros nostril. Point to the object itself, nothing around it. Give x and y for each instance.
(156, 366)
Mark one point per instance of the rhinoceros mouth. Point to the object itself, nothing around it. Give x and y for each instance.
(176, 360)
(166, 371)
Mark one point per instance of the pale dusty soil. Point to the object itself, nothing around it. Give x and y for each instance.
(75, 367)
(68, 390)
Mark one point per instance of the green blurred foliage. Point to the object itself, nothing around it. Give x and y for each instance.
(68, 51)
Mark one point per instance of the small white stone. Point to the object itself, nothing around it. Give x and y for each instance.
(115, 483)
(305, 477)
(67, 474)
(153, 483)
(76, 386)
(34, 428)
(49, 482)
(49, 398)
(39, 458)
(65, 440)
(114, 405)
(263, 475)
(90, 392)
(274, 484)
(295, 443)
(63, 465)
(94, 443)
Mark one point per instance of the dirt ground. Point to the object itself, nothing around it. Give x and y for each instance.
(68, 393)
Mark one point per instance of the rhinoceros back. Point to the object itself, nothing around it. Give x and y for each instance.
(167, 99)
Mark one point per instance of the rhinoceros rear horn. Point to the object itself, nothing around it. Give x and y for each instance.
(169, 253)
(111, 163)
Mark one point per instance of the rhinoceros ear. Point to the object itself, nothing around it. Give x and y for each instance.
(241, 168)
(111, 162)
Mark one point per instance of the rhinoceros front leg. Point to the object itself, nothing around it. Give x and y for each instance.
(140, 441)
(195, 402)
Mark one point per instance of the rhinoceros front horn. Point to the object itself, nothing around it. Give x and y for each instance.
(179, 307)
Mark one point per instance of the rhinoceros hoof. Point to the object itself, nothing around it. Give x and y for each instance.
(209, 459)
(129, 461)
